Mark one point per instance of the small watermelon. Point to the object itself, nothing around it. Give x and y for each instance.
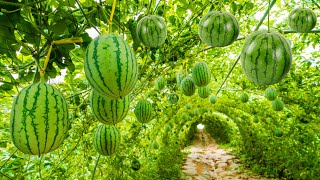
(172, 98)
(107, 139)
(256, 119)
(187, 86)
(270, 93)
(218, 29)
(181, 74)
(188, 106)
(152, 31)
(204, 92)
(265, 57)
(244, 97)
(155, 144)
(184, 116)
(135, 165)
(143, 111)
(277, 105)
(201, 74)
(213, 99)
(302, 20)
(278, 132)
(160, 83)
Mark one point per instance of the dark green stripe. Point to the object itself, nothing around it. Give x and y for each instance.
(46, 118)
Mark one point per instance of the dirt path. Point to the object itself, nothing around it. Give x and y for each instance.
(207, 161)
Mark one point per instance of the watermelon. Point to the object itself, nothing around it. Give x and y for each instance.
(167, 128)
(302, 20)
(196, 112)
(184, 116)
(107, 139)
(108, 110)
(188, 106)
(218, 29)
(256, 119)
(180, 76)
(39, 119)
(160, 83)
(270, 93)
(277, 105)
(213, 99)
(172, 98)
(201, 74)
(265, 57)
(155, 144)
(110, 66)
(244, 97)
(278, 132)
(204, 92)
(152, 31)
(135, 165)
(187, 86)
(143, 111)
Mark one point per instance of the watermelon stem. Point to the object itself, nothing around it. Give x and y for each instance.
(95, 167)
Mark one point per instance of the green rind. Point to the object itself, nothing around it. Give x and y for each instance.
(201, 74)
(244, 97)
(213, 99)
(143, 111)
(39, 119)
(152, 31)
(108, 110)
(302, 20)
(277, 105)
(270, 93)
(204, 92)
(107, 139)
(172, 98)
(265, 57)
(187, 86)
(110, 66)
(218, 29)
(160, 83)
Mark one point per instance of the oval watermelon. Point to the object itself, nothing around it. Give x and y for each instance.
(270, 93)
(172, 98)
(152, 31)
(218, 29)
(204, 92)
(187, 86)
(107, 139)
(108, 110)
(39, 119)
(213, 99)
(143, 111)
(277, 105)
(302, 20)
(110, 66)
(265, 57)
(160, 83)
(201, 74)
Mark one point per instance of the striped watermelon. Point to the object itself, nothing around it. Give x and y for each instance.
(143, 111)
(180, 76)
(108, 110)
(302, 20)
(244, 97)
(152, 31)
(187, 86)
(107, 139)
(204, 92)
(201, 74)
(218, 29)
(39, 119)
(277, 105)
(160, 83)
(172, 98)
(110, 66)
(270, 93)
(265, 57)
(213, 99)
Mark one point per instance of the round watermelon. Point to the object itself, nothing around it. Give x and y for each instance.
(213, 99)
(172, 98)
(152, 31)
(277, 105)
(107, 139)
(265, 57)
(302, 20)
(204, 92)
(110, 66)
(108, 110)
(39, 119)
(187, 86)
(218, 29)
(160, 83)
(201, 74)
(244, 97)
(143, 111)
(188, 106)
(270, 93)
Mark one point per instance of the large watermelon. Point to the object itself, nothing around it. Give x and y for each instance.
(187, 86)
(201, 74)
(265, 57)
(160, 83)
(172, 98)
(152, 31)
(143, 111)
(270, 93)
(181, 74)
(110, 66)
(302, 20)
(107, 139)
(39, 119)
(204, 92)
(218, 29)
(108, 110)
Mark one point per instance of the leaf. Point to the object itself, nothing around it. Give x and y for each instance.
(6, 86)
